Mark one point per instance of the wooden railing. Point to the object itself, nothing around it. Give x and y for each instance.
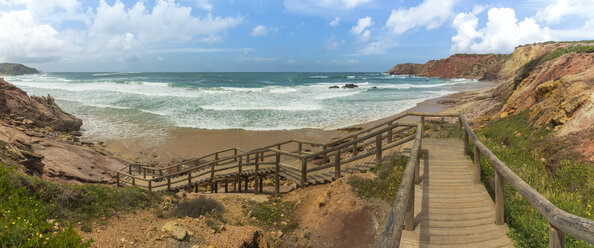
(313, 157)
(560, 222)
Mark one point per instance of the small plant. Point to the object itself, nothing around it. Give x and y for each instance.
(273, 214)
(197, 206)
(385, 185)
(86, 228)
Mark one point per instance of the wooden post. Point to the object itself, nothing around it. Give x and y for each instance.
(459, 128)
(466, 146)
(150, 185)
(168, 183)
(417, 171)
(337, 164)
(325, 156)
(239, 174)
(256, 176)
(246, 184)
(390, 132)
(300, 147)
(499, 206)
(235, 184)
(477, 163)
(355, 148)
(117, 179)
(262, 157)
(303, 172)
(133, 181)
(212, 182)
(422, 125)
(235, 154)
(276, 175)
(261, 184)
(556, 237)
(226, 186)
(409, 219)
(216, 187)
(130, 169)
(189, 181)
(378, 149)
(144, 172)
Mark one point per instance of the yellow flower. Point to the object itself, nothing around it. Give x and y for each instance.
(19, 217)
(13, 222)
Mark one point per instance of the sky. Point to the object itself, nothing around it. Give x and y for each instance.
(274, 35)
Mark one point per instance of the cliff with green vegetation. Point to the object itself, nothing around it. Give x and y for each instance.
(13, 69)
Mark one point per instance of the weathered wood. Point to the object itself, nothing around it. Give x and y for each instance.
(133, 181)
(277, 175)
(246, 184)
(355, 148)
(393, 230)
(261, 185)
(169, 183)
(466, 146)
(189, 181)
(390, 132)
(409, 221)
(256, 176)
(303, 172)
(499, 204)
(459, 128)
(417, 171)
(150, 188)
(556, 237)
(117, 179)
(226, 186)
(477, 165)
(337, 165)
(300, 147)
(378, 149)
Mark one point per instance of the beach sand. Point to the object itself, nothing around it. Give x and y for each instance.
(186, 143)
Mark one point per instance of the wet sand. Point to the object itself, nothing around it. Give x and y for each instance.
(186, 143)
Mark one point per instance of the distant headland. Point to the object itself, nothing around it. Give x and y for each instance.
(14, 69)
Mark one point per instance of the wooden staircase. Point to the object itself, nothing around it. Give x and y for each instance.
(451, 210)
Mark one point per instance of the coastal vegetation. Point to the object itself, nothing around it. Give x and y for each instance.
(385, 185)
(33, 210)
(570, 185)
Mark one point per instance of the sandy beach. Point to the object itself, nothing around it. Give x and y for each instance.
(186, 143)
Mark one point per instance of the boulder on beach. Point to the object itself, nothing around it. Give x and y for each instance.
(350, 86)
(333, 87)
(36, 111)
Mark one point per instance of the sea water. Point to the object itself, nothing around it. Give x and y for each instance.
(114, 105)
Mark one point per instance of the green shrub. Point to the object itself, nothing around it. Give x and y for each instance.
(198, 206)
(570, 188)
(385, 185)
(273, 214)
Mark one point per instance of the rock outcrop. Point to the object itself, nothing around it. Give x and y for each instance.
(475, 66)
(35, 111)
(12, 69)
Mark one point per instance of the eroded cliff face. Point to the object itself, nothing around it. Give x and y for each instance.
(39, 138)
(552, 81)
(36, 111)
(475, 66)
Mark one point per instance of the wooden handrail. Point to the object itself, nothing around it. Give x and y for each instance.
(403, 207)
(559, 220)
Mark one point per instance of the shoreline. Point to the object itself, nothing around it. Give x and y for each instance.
(185, 143)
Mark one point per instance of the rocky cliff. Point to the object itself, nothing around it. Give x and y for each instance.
(475, 66)
(35, 111)
(39, 138)
(12, 69)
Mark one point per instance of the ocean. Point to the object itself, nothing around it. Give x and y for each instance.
(114, 105)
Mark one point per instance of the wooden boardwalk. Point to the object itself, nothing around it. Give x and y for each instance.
(450, 209)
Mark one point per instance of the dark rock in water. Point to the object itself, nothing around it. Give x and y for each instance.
(350, 86)
(40, 111)
(374, 87)
(333, 87)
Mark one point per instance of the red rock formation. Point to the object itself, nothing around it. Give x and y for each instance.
(36, 111)
(475, 66)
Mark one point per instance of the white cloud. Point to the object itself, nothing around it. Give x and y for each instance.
(44, 7)
(556, 11)
(204, 4)
(429, 14)
(259, 30)
(330, 44)
(361, 29)
(27, 40)
(501, 34)
(323, 6)
(334, 22)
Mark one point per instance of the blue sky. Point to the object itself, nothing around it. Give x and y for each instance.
(274, 35)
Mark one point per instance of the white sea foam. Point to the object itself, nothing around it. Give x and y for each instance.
(318, 77)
